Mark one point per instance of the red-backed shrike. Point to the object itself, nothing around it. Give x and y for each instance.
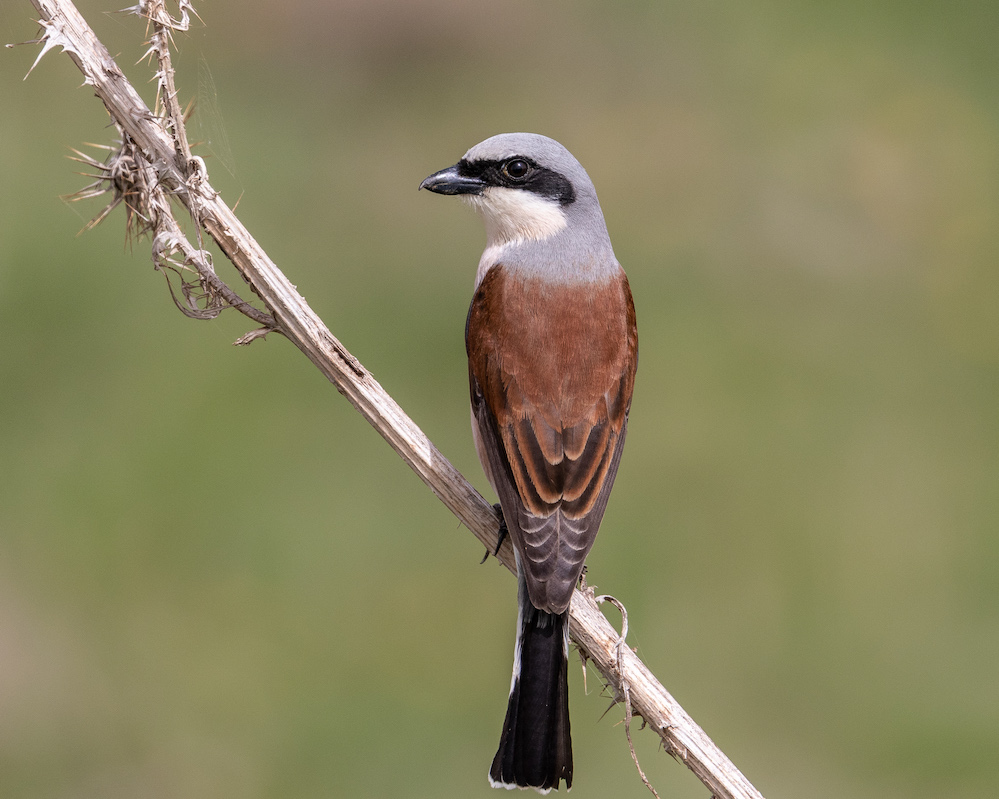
(552, 350)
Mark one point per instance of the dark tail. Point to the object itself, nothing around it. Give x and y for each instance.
(535, 749)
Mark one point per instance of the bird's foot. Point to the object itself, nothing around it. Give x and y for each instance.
(502, 535)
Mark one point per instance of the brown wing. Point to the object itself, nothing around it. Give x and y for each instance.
(551, 371)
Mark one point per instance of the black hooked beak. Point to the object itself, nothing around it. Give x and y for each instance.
(451, 181)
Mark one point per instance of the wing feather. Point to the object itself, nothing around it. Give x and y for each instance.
(551, 371)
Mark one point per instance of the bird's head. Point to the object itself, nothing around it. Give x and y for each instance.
(527, 187)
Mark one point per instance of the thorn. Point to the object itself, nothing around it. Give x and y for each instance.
(50, 39)
(608, 710)
(583, 658)
(18, 44)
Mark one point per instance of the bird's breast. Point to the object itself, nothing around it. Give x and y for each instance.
(565, 346)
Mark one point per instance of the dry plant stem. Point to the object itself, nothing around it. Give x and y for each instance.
(163, 26)
(589, 628)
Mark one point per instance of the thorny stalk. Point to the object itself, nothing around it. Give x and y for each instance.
(159, 46)
(131, 180)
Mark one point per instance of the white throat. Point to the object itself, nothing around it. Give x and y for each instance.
(513, 216)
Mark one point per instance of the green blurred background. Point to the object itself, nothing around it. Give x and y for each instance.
(217, 581)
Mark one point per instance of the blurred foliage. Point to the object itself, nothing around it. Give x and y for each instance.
(216, 580)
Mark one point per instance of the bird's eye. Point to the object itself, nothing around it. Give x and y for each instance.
(516, 169)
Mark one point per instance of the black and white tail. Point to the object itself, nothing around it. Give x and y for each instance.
(535, 749)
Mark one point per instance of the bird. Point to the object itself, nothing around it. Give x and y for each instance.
(552, 349)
